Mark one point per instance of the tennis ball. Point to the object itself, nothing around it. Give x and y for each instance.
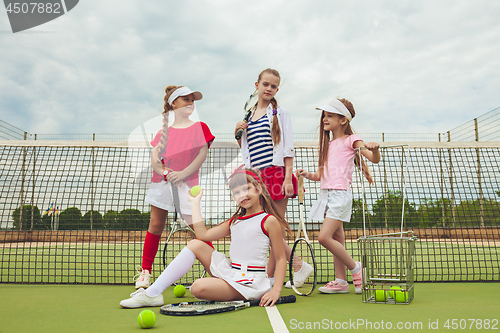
(179, 291)
(401, 296)
(146, 319)
(391, 292)
(380, 295)
(195, 190)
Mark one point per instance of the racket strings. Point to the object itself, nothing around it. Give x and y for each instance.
(304, 279)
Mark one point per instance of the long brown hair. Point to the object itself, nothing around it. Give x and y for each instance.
(275, 130)
(325, 138)
(269, 206)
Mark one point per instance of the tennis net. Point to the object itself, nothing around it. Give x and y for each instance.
(74, 212)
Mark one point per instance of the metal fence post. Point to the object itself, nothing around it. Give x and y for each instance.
(385, 184)
(480, 187)
(443, 211)
(92, 186)
(451, 184)
(33, 187)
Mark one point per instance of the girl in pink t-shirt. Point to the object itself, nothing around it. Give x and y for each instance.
(337, 157)
(180, 149)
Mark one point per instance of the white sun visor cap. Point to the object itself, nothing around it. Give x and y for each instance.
(184, 91)
(336, 106)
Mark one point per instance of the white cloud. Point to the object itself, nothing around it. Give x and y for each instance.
(407, 66)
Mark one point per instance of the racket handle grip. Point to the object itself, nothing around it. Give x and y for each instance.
(281, 300)
(286, 299)
(238, 134)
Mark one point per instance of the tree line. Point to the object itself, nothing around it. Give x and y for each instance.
(384, 213)
(72, 219)
(431, 213)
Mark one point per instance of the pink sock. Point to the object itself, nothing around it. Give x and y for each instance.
(149, 251)
(174, 271)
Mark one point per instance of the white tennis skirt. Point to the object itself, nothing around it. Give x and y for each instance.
(251, 285)
(160, 195)
(335, 204)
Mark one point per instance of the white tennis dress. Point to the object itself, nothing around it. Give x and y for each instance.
(246, 271)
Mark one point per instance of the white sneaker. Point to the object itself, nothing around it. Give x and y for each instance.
(301, 275)
(142, 278)
(139, 299)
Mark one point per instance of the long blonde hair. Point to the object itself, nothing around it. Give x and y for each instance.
(275, 130)
(244, 176)
(325, 138)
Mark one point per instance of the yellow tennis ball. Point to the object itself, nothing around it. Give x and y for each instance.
(146, 319)
(401, 296)
(380, 295)
(179, 291)
(195, 190)
(391, 292)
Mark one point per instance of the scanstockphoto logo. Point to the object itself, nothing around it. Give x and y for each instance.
(25, 15)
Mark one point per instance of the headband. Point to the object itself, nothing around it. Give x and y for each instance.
(184, 91)
(240, 170)
(336, 106)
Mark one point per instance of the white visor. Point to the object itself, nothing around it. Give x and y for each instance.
(184, 91)
(337, 107)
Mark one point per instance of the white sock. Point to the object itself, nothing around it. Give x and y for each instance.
(356, 269)
(342, 282)
(174, 271)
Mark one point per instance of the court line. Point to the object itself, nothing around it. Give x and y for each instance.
(277, 322)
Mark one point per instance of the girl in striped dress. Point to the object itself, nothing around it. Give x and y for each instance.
(255, 226)
(267, 144)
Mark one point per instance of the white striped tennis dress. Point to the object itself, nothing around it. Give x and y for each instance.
(246, 271)
(260, 143)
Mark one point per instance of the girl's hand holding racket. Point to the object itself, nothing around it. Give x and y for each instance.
(301, 173)
(176, 177)
(269, 298)
(240, 125)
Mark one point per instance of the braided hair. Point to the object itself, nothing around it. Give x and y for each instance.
(160, 148)
(275, 130)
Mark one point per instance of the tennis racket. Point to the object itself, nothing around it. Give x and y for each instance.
(211, 307)
(180, 234)
(249, 105)
(302, 251)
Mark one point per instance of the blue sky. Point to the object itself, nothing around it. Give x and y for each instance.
(407, 66)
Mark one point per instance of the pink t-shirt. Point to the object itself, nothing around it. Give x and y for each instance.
(183, 145)
(340, 164)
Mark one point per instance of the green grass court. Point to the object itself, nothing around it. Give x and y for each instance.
(114, 263)
(75, 307)
(94, 308)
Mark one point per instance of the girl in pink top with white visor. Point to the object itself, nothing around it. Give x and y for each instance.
(337, 157)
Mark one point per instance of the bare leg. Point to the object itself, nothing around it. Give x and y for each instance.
(157, 221)
(214, 289)
(340, 267)
(329, 238)
(202, 251)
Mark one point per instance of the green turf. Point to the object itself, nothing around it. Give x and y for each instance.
(115, 263)
(84, 308)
